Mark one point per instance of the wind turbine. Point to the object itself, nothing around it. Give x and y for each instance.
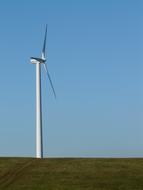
(38, 62)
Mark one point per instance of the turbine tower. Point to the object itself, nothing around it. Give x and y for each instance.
(38, 62)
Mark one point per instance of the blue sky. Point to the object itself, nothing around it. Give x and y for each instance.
(95, 57)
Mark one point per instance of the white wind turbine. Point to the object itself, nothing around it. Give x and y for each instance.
(38, 62)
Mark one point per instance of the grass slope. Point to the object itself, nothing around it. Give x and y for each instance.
(71, 174)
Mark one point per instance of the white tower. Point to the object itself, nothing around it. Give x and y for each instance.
(39, 140)
(38, 62)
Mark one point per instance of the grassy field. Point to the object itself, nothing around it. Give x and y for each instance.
(71, 174)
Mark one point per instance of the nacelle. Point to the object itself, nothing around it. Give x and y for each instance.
(35, 60)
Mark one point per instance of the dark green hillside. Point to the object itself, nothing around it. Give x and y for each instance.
(71, 174)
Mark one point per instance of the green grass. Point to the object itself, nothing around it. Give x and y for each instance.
(71, 174)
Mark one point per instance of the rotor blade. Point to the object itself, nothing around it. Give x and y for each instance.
(44, 44)
(45, 67)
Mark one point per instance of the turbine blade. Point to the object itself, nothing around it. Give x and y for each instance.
(47, 72)
(44, 44)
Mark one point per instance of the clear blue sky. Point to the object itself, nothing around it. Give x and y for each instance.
(95, 57)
